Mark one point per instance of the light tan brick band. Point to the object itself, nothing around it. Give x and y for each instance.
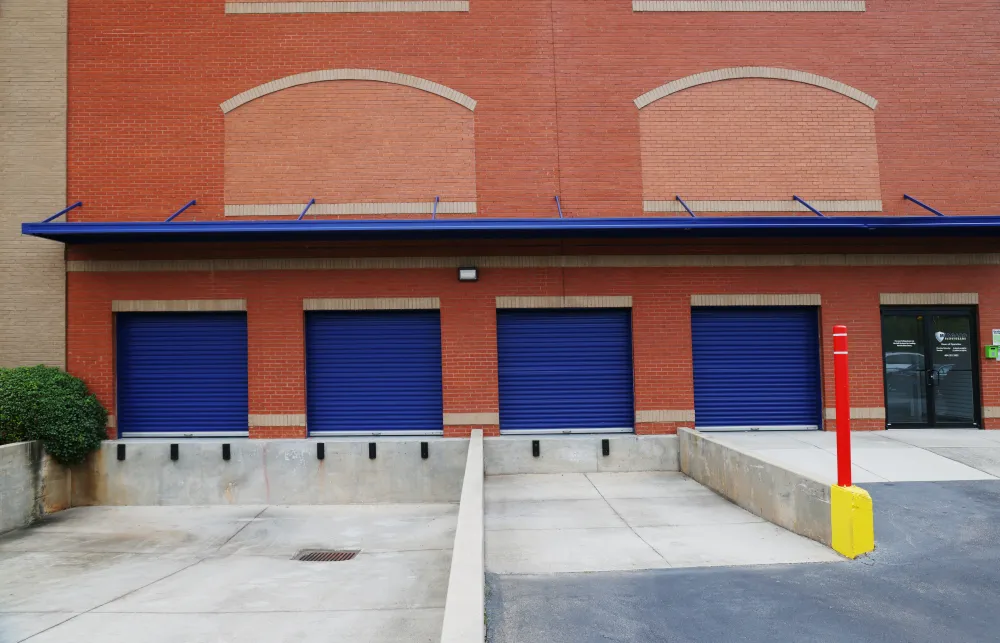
(293, 419)
(112, 422)
(673, 205)
(564, 302)
(748, 5)
(552, 261)
(370, 6)
(178, 305)
(471, 419)
(928, 298)
(32, 180)
(755, 300)
(376, 303)
(347, 74)
(991, 411)
(333, 209)
(664, 416)
(754, 72)
(860, 413)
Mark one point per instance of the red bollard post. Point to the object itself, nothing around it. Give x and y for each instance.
(843, 393)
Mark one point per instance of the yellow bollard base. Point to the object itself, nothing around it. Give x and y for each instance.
(852, 520)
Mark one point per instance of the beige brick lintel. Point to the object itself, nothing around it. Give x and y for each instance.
(112, 422)
(991, 412)
(471, 419)
(664, 416)
(551, 261)
(376, 303)
(749, 5)
(178, 305)
(289, 419)
(342, 209)
(565, 302)
(860, 413)
(755, 300)
(928, 298)
(347, 6)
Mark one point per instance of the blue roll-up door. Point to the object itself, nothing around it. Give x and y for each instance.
(565, 370)
(182, 373)
(374, 372)
(756, 368)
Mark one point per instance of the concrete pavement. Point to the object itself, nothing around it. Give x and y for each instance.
(200, 574)
(896, 455)
(574, 522)
(934, 577)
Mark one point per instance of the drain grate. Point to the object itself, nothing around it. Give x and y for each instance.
(326, 555)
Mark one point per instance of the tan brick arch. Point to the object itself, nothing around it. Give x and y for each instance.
(776, 73)
(749, 144)
(371, 144)
(326, 75)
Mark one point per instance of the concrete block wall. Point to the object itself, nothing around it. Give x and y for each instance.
(32, 179)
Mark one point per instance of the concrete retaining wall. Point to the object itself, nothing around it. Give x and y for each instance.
(790, 500)
(580, 454)
(271, 472)
(20, 484)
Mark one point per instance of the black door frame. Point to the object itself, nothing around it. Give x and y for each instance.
(972, 312)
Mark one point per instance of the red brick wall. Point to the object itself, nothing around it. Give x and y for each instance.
(350, 141)
(661, 322)
(760, 139)
(554, 80)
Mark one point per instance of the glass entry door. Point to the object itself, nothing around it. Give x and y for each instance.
(931, 367)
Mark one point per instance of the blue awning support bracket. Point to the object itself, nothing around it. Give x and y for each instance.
(685, 206)
(176, 214)
(907, 197)
(309, 205)
(434, 212)
(812, 209)
(78, 204)
(559, 206)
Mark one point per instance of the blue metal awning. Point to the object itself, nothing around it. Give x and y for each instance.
(447, 229)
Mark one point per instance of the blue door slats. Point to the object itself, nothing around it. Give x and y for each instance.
(565, 370)
(181, 374)
(756, 368)
(374, 372)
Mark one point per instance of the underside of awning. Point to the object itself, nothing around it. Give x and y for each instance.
(520, 228)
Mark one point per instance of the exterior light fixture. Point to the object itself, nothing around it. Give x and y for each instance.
(468, 274)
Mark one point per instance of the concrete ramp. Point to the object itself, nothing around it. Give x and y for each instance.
(594, 522)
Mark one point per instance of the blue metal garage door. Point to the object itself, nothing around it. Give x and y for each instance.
(374, 372)
(181, 374)
(565, 370)
(756, 368)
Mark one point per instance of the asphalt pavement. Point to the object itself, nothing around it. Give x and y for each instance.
(934, 577)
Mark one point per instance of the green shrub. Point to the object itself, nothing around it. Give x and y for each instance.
(46, 404)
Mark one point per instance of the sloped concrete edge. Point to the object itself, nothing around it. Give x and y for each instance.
(32, 484)
(465, 605)
(788, 499)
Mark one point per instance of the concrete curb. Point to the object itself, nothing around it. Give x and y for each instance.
(465, 605)
(788, 499)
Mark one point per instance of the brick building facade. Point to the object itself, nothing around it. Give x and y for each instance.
(412, 116)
